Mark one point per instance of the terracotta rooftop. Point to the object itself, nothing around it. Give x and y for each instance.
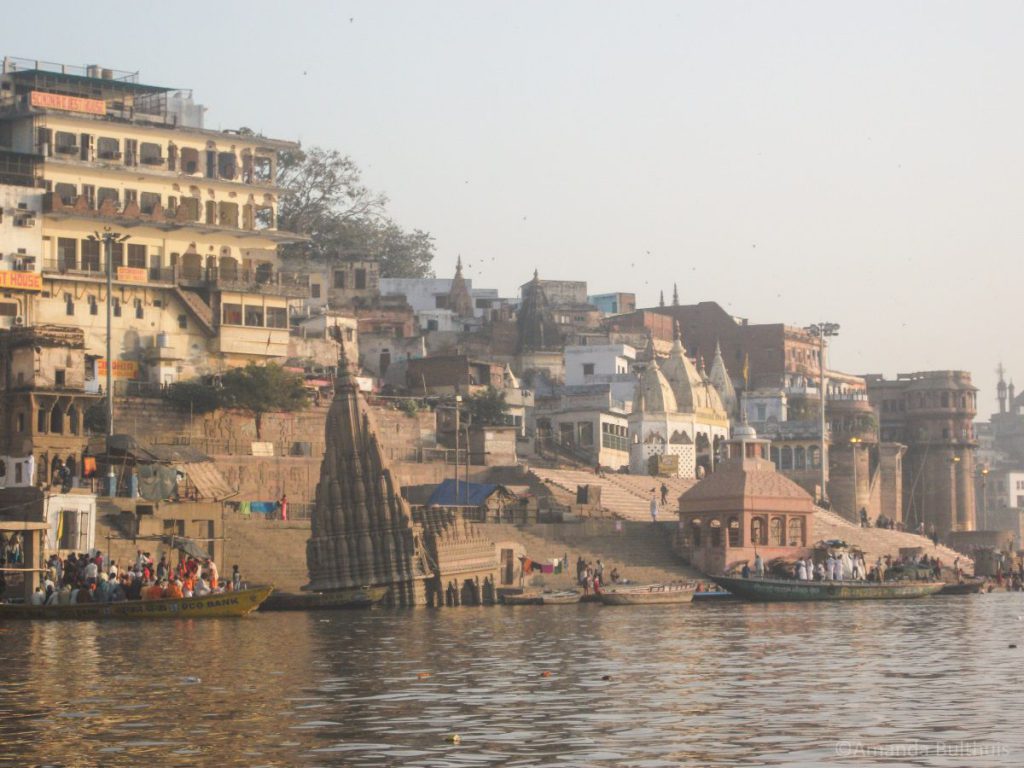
(736, 482)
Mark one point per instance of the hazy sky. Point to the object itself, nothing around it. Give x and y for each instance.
(794, 161)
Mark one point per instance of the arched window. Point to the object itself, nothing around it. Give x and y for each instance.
(799, 458)
(787, 458)
(814, 457)
(776, 532)
(758, 534)
(796, 531)
(71, 465)
(56, 420)
(695, 531)
(715, 526)
(735, 534)
(73, 420)
(55, 466)
(775, 456)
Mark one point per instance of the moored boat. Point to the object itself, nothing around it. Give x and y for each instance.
(364, 597)
(208, 606)
(649, 594)
(789, 590)
(554, 597)
(969, 587)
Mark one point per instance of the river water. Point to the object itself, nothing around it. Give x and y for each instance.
(918, 682)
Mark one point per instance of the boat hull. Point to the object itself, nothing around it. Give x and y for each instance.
(785, 590)
(325, 601)
(966, 588)
(210, 606)
(655, 594)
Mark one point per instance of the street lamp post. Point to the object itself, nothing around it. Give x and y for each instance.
(984, 499)
(853, 451)
(821, 330)
(109, 237)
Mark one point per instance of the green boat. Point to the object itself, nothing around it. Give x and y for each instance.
(791, 590)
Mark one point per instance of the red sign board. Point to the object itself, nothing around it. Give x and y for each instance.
(68, 103)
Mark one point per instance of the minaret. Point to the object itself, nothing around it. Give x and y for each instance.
(1013, 396)
(661, 299)
(1001, 389)
(675, 295)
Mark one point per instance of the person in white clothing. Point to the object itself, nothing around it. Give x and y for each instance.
(654, 508)
(758, 566)
(801, 570)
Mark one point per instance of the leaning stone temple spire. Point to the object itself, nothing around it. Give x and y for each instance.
(362, 529)
(459, 299)
(537, 328)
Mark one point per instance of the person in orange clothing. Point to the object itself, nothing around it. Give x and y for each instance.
(153, 592)
(173, 591)
(188, 584)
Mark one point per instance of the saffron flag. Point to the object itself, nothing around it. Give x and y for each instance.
(746, 371)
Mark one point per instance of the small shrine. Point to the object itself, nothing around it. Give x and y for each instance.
(746, 508)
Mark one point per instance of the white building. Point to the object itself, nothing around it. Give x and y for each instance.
(21, 244)
(610, 364)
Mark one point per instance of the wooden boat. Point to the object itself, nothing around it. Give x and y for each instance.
(969, 587)
(784, 590)
(554, 597)
(561, 597)
(364, 597)
(209, 606)
(649, 594)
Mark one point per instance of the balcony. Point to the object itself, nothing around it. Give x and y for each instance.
(94, 271)
(292, 285)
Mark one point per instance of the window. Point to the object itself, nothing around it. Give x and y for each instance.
(360, 279)
(588, 369)
(715, 527)
(799, 458)
(787, 458)
(776, 532)
(57, 420)
(191, 206)
(117, 252)
(227, 165)
(183, 321)
(136, 256)
(151, 154)
(139, 311)
(72, 424)
(91, 255)
(228, 214)
(483, 303)
(108, 193)
(189, 160)
(263, 217)
(762, 412)
(254, 316)
(67, 253)
(735, 534)
(41, 421)
(277, 317)
(148, 201)
(108, 149)
(314, 290)
(69, 304)
(211, 212)
(231, 314)
(67, 143)
(131, 196)
(340, 278)
(67, 193)
(59, 377)
(586, 433)
(796, 532)
(115, 304)
(695, 531)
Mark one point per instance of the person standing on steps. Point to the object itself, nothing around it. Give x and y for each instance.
(654, 507)
(664, 494)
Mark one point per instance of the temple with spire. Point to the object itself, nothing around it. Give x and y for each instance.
(678, 420)
(363, 532)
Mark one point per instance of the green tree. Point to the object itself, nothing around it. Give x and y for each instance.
(194, 396)
(487, 408)
(261, 389)
(324, 198)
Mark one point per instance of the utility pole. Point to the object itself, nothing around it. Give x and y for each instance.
(458, 405)
(109, 237)
(821, 330)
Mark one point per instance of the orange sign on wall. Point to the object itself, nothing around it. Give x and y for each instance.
(131, 274)
(123, 369)
(68, 103)
(21, 281)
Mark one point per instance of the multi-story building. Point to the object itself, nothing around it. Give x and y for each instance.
(197, 284)
(931, 412)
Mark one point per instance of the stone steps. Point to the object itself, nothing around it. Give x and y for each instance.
(267, 551)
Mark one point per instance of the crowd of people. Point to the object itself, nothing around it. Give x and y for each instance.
(590, 576)
(851, 566)
(88, 578)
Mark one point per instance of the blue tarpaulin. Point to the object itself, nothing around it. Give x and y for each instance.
(470, 494)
